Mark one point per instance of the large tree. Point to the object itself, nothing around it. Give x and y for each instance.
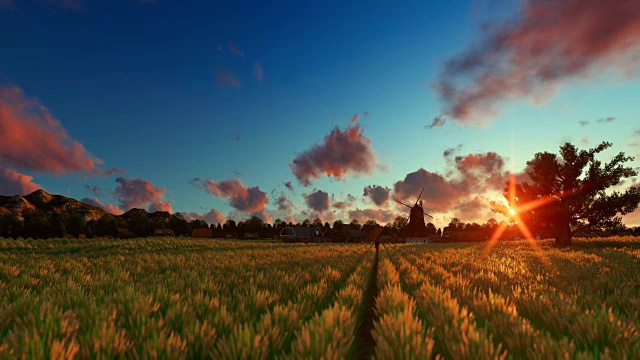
(572, 192)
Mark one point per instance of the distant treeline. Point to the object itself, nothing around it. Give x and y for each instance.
(139, 223)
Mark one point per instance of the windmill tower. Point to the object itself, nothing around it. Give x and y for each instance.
(416, 229)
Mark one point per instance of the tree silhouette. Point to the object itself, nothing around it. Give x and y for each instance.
(570, 192)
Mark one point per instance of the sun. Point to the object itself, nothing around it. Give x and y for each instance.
(512, 211)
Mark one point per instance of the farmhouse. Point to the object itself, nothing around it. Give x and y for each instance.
(301, 234)
(226, 235)
(383, 235)
(201, 233)
(163, 232)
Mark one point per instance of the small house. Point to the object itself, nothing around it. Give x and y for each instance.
(301, 234)
(251, 235)
(356, 236)
(382, 235)
(226, 235)
(201, 233)
(163, 232)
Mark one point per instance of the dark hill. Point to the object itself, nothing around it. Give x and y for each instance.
(47, 203)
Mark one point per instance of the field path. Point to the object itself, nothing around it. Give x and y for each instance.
(364, 345)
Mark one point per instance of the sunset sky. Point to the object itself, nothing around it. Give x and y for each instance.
(301, 110)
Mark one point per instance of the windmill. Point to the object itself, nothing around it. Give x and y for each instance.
(416, 226)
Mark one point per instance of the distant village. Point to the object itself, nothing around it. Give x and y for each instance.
(40, 215)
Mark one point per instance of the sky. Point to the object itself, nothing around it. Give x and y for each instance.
(296, 110)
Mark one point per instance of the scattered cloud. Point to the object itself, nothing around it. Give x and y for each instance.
(15, 183)
(452, 151)
(32, 139)
(284, 204)
(113, 209)
(212, 217)
(378, 194)
(318, 201)
(438, 121)
(94, 189)
(244, 199)
(609, 119)
(529, 56)
(226, 79)
(606, 120)
(469, 178)
(140, 193)
(340, 152)
(289, 185)
(234, 50)
(381, 216)
(341, 205)
(258, 71)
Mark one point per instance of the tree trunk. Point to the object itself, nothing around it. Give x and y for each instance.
(563, 235)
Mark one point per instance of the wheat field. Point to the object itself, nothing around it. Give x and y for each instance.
(174, 298)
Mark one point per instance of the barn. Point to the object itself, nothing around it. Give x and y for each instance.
(201, 233)
(301, 234)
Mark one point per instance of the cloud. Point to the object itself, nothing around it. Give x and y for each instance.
(226, 79)
(606, 120)
(451, 151)
(212, 217)
(470, 176)
(318, 201)
(234, 50)
(377, 193)
(113, 209)
(438, 121)
(247, 200)
(32, 139)
(440, 193)
(340, 205)
(379, 215)
(140, 193)
(340, 153)
(546, 43)
(258, 71)
(609, 119)
(481, 170)
(289, 185)
(284, 204)
(15, 183)
(95, 189)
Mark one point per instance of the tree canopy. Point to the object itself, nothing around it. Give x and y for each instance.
(572, 192)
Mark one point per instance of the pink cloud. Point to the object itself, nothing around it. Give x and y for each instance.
(33, 139)
(140, 193)
(212, 217)
(247, 200)
(113, 209)
(546, 43)
(14, 183)
(234, 50)
(340, 153)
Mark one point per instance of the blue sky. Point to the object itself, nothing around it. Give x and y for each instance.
(139, 85)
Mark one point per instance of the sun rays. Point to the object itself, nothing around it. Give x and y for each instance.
(514, 211)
